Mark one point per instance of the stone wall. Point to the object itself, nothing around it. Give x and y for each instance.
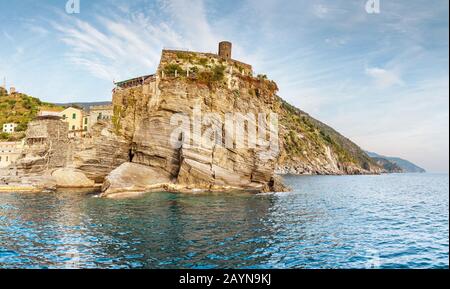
(46, 146)
(189, 59)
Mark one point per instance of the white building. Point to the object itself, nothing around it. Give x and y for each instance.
(10, 152)
(9, 127)
(49, 113)
(99, 113)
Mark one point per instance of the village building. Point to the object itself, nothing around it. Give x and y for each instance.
(10, 152)
(99, 113)
(49, 113)
(73, 117)
(79, 122)
(9, 127)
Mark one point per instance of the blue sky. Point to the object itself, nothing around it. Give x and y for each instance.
(380, 79)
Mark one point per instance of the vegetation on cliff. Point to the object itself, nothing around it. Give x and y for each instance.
(306, 138)
(20, 108)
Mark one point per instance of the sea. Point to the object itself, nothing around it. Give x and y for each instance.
(386, 221)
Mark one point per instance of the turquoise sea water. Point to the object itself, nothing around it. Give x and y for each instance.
(390, 221)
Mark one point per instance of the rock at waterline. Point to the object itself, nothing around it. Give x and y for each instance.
(71, 178)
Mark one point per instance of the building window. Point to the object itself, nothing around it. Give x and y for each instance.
(73, 127)
(85, 128)
(74, 116)
(86, 121)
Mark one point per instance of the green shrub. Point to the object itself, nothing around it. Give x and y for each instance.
(202, 61)
(21, 127)
(172, 69)
(206, 77)
(194, 69)
(219, 72)
(262, 76)
(212, 76)
(3, 91)
(4, 136)
(186, 56)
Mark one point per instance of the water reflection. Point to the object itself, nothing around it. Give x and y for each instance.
(327, 222)
(158, 230)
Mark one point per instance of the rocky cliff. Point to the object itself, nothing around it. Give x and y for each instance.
(201, 123)
(312, 147)
(186, 83)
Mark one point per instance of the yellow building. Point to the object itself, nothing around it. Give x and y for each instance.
(74, 117)
(79, 121)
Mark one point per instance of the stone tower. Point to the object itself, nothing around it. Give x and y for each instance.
(225, 49)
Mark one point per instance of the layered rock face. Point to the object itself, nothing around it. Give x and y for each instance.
(101, 153)
(196, 86)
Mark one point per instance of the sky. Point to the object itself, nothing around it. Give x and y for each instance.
(381, 79)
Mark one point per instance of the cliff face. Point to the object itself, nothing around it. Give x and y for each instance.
(98, 155)
(187, 83)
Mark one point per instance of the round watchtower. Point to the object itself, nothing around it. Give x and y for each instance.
(225, 49)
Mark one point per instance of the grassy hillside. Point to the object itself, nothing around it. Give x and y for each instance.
(306, 138)
(21, 109)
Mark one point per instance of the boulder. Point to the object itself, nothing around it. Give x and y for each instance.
(71, 178)
(131, 178)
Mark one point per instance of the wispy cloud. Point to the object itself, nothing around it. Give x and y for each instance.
(126, 42)
(384, 78)
(8, 36)
(119, 46)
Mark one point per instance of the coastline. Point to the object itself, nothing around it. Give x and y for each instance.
(138, 191)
